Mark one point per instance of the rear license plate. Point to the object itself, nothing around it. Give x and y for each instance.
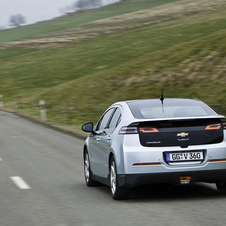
(184, 156)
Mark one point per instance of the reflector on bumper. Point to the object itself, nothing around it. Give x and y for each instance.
(147, 164)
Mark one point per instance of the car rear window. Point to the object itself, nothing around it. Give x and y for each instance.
(171, 108)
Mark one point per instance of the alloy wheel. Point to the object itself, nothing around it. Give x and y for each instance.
(86, 167)
(113, 177)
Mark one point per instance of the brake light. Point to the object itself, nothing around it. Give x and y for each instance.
(148, 130)
(128, 130)
(213, 126)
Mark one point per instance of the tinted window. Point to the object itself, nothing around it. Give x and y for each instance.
(105, 119)
(115, 119)
(171, 108)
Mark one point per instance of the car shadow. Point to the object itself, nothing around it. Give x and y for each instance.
(162, 192)
(171, 192)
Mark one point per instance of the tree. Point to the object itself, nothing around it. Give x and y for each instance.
(17, 20)
(88, 4)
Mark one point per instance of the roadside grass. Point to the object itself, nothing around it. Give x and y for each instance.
(186, 57)
(187, 77)
(45, 69)
(77, 19)
(13, 52)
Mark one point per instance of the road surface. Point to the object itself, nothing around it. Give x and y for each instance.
(42, 184)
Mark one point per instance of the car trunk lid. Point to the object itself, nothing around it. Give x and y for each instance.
(180, 132)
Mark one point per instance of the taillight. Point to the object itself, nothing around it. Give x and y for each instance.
(128, 130)
(213, 126)
(148, 130)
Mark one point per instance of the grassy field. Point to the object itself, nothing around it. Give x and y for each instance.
(71, 21)
(186, 56)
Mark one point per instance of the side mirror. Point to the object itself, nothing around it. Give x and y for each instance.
(88, 127)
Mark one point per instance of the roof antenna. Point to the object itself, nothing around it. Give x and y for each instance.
(162, 99)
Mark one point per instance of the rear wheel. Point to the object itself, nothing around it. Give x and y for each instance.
(116, 191)
(87, 171)
(221, 186)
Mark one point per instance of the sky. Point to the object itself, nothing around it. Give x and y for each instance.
(34, 10)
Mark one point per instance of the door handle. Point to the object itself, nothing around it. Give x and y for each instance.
(97, 139)
(108, 138)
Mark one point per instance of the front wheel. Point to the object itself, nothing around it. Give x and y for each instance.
(116, 191)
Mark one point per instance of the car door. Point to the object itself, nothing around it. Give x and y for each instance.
(98, 147)
(106, 141)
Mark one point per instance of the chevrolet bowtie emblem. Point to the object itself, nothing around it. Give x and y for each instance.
(182, 134)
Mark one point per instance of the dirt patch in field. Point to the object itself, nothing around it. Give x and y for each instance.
(117, 24)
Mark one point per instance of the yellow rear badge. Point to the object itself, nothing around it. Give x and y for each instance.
(182, 134)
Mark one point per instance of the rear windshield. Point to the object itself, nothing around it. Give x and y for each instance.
(171, 108)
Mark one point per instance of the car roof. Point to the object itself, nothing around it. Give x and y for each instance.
(165, 99)
(130, 104)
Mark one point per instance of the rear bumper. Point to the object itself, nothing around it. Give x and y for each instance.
(134, 180)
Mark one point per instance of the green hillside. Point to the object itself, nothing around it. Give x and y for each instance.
(40, 28)
(185, 55)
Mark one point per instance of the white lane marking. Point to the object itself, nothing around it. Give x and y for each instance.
(20, 183)
(0, 159)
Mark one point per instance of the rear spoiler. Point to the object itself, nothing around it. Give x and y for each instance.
(138, 121)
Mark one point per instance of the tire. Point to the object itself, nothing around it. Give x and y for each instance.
(87, 171)
(221, 186)
(117, 192)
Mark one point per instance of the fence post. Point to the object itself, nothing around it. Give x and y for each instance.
(1, 101)
(42, 110)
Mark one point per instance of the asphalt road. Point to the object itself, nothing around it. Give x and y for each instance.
(41, 183)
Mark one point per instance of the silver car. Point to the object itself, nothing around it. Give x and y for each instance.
(176, 141)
